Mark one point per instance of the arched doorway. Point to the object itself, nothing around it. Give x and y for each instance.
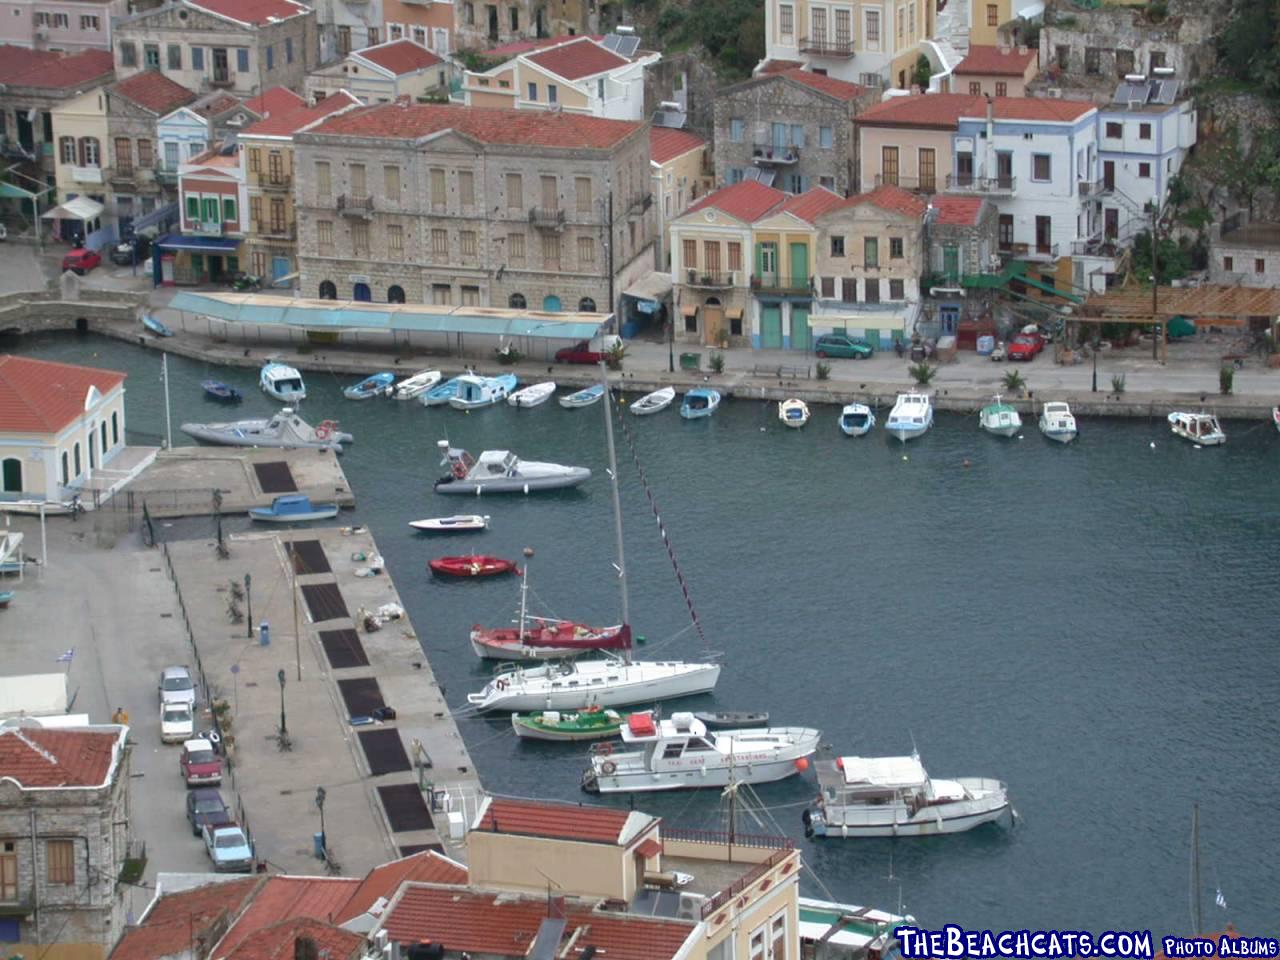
(395, 294)
(328, 290)
(586, 305)
(517, 302)
(361, 292)
(11, 470)
(551, 303)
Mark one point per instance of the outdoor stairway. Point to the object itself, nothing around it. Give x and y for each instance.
(952, 27)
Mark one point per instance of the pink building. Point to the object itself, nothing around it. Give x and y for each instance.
(63, 25)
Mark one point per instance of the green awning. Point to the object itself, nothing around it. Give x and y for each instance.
(9, 191)
(1049, 288)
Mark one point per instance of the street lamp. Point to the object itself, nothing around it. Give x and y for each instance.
(284, 728)
(1096, 340)
(248, 599)
(671, 344)
(324, 845)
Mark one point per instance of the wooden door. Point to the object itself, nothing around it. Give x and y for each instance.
(771, 327)
(800, 327)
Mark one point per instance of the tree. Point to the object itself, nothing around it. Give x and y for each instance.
(923, 72)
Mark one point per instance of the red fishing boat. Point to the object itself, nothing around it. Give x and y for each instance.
(473, 566)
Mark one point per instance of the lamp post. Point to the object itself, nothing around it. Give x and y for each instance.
(324, 844)
(1096, 341)
(284, 728)
(671, 344)
(248, 600)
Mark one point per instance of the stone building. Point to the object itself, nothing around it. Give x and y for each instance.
(1245, 254)
(480, 25)
(432, 203)
(791, 130)
(64, 26)
(64, 824)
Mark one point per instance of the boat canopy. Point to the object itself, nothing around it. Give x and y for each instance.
(581, 640)
(883, 771)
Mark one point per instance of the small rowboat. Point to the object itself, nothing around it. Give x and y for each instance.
(592, 723)
(456, 524)
(793, 413)
(583, 398)
(416, 385)
(473, 566)
(377, 385)
(155, 326)
(654, 402)
(533, 394)
(730, 719)
(294, 508)
(217, 390)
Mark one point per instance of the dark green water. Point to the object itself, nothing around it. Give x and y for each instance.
(1094, 624)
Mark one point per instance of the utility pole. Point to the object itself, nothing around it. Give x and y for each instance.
(609, 255)
(1155, 280)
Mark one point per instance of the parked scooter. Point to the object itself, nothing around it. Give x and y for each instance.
(246, 281)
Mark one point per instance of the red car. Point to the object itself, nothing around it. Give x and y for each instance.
(81, 261)
(580, 352)
(1025, 346)
(199, 764)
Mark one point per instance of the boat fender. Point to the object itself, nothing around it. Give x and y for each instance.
(526, 489)
(604, 749)
(500, 684)
(608, 768)
(323, 431)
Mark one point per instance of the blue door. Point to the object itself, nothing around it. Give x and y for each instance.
(361, 292)
(551, 304)
(279, 267)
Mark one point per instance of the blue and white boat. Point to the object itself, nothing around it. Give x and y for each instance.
(699, 402)
(283, 382)
(219, 391)
(377, 385)
(856, 420)
(583, 398)
(155, 326)
(294, 508)
(911, 416)
(441, 393)
(475, 392)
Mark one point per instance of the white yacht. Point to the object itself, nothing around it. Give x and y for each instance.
(679, 753)
(283, 382)
(1000, 418)
(896, 797)
(1057, 422)
(1200, 428)
(911, 416)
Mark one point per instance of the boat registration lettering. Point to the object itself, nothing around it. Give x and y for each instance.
(954, 942)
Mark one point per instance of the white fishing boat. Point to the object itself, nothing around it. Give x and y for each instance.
(655, 402)
(856, 420)
(283, 382)
(1057, 422)
(501, 471)
(1000, 418)
(896, 797)
(533, 394)
(845, 931)
(793, 413)
(475, 392)
(910, 417)
(679, 753)
(416, 385)
(1202, 429)
(459, 523)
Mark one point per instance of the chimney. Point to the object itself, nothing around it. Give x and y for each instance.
(1003, 46)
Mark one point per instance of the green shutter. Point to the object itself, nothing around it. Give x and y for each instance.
(759, 259)
(228, 210)
(193, 207)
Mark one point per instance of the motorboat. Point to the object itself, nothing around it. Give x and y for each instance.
(476, 565)
(294, 508)
(856, 420)
(155, 326)
(911, 416)
(592, 723)
(460, 523)
(1057, 422)
(1200, 428)
(378, 385)
(793, 413)
(699, 402)
(1275, 417)
(285, 429)
(1000, 418)
(221, 392)
(896, 797)
(474, 392)
(416, 385)
(679, 753)
(655, 402)
(501, 471)
(533, 394)
(441, 393)
(583, 398)
(845, 931)
(283, 382)
(733, 719)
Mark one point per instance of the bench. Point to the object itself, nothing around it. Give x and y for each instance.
(781, 372)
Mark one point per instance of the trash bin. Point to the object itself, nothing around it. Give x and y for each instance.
(690, 361)
(264, 634)
(317, 840)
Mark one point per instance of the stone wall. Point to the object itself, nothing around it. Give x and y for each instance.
(57, 310)
(686, 78)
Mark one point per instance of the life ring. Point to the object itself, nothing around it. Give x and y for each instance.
(500, 684)
(323, 431)
(608, 768)
(604, 749)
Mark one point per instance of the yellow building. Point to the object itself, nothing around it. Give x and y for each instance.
(991, 21)
(80, 140)
(682, 173)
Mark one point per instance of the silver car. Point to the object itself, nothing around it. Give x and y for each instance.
(176, 686)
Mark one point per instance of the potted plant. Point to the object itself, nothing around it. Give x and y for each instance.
(717, 363)
(922, 373)
(614, 356)
(1014, 382)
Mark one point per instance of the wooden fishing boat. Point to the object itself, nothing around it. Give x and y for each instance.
(477, 565)
(583, 398)
(593, 723)
(730, 719)
(294, 508)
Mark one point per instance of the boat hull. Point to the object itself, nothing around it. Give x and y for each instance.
(265, 515)
(856, 420)
(533, 727)
(640, 780)
(532, 396)
(639, 683)
(572, 478)
(443, 525)
(655, 402)
(468, 567)
(505, 643)
(989, 803)
(905, 432)
(203, 433)
(1006, 430)
(416, 386)
(1059, 434)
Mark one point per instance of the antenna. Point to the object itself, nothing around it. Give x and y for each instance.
(617, 500)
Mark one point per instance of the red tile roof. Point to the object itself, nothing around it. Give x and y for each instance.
(893, 199)
(284, 123)
(256, 12)
(667, 144)
(778, 66)
(277, 941)
(490, 924)
(516, 47)
(811, 204)
(400, 57)
(38, 396)
(944, 110)
(823, 84)
(747, 201)
(53, 71)
(154, 91)
(275, 100)
(957, 211)
(288, 898)
(535, 128)
(173, 921)
(562, 821)
(992, 60)
(577, 59)
(384, 881)
(57, 758)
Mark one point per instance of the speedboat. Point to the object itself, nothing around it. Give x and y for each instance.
(910, 417)
(476, 565)
(155, 326)
(680, 753)
(896, 797)
(441, 393)
(501, 471)
(583, 398)
(733, 719)
(221, 392)
(416, 385)
(1057, 422)
(378, 385)
(1000, 418)
(533, 395)
(845, 931)
(699, 402)
(461, 523)
(474, 392)
(856, 420)
(294, 508)
(283, 382)
(592, 723)
(286, 429)
(1200, 428)
(793, 413)
(654, 402)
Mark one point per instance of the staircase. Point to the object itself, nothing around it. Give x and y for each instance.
(952, 27)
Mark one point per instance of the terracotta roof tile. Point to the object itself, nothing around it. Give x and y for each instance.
(564, 821)
(747, 201)
(283, 123)
(57, 758)
(38, 396)
(276, 942)
(577, 59)
(516, 47)
(957, 211)
(811, 204)
(536, 128)
(485, 923)
(400, 57)
(256, 12)
(154, 91)
(666, 143)
(944, 110)
(832, 87)
(992, 60)
(288, 898)
(53, 71)
(174, 920)
(384, 881)
(893, 199)
(275, 100)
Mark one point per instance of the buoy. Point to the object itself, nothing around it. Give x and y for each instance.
(802, 764)
(1153, 444)
(839, 763)
(905, 457)
(966, 462)
(762, 429)
(528, 551)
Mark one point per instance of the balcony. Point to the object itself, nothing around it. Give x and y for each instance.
(767, 152)
(355, 206)
(166, 176)
(205, 228)
(85, 174)
(273, 182)
(275, 231)
(1093, 188)
(993, 186)
(780, 283)
(547, 218)
(1039, 252)
(914, 184)
(711, 279)
(222, 81)
(823, 47)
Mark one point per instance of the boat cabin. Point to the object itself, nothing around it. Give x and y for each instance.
(497, 463)
(875, 781)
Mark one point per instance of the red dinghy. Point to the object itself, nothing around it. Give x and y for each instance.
(474, 566)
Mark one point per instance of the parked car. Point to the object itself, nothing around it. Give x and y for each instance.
(81, 261)
(4, 232)
(123, 253)
(1025, 346)
(204, 807)
(838, 345)
(586, 352)
(228, 848)
(176, 686)
(177, 722)
(200, 764)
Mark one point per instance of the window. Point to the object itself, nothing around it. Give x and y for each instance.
(551, 251)
(438, 197)
(193, 208)
(927, 164)
(550, 193)
(690, 323)
(115, 428)
(1259, 265)
(145, 157)
(151, 56)
(871, 251)
(837, 246)
(689, 254)
(288, 49)
(515, 19)
(391, 182)
(993, 15)
(515, 192)
(271, 57)
(896, 248)
(242, 59)
(1115, 130)
(420, 35)
(1157, 59)
(872, 290)
(255, 212)
(517, 301)
(1002, 88)
(277, 216)
(586, 250)
(373, 38)
(735, 255)
(175, 57)
(1124, 62)
(360, 238)
(737, 128)
(395, 32)
(1229, 264)
(1044, 234)
(1092, 61)
(395, 240)
(1144, 171)
(975, 88)
(323, 184)
(1004, 235)
(60, 855)
(897, 290)
(797, 135)
(533, 92)
(76, 457)
(1041, 167)
(1062, 56)
(441, 294)
(89, 23)
(124, 156)
(61, 20)
(515, 247)
(911, 22)
(551, 93)
(1144, 131)
(128, 54)
(170, 155)
(872, 29)
(439, 243)
(828, 288)
(67, 150)
(344, 40)
(467, 239)
(828, 182)
(582, 193)
(825, 138)
(466, 188)
(228, 210)
(90, 152)
(711, 256)
(889, 165)
(255, 160)
(786, 19)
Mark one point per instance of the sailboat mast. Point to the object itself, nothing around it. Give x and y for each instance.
(617, 503)
(524, 592)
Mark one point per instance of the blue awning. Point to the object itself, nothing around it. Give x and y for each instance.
(176, 241)
(160, 216)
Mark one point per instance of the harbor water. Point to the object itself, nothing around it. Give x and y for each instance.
(1094, 624)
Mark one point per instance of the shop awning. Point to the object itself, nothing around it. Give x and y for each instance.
(176, 241)
(653, 286)
(733, 313)
(77, 208)
(10, 191)
(890, 320)
(689, 311)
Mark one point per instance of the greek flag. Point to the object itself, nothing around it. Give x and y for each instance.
(67, 655)
(1220, 900)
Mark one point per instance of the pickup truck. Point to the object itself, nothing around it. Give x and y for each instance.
(199, 764)
(586, 352)
(228, 848)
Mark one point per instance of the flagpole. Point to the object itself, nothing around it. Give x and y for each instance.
(168, 421)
